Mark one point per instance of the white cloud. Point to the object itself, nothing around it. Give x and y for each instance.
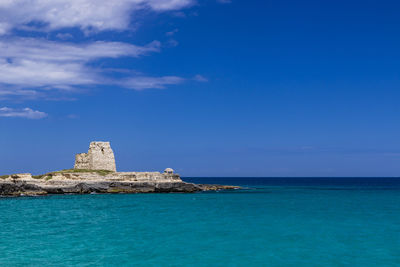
(86, 14)
(200, 78)
(4, 27)
(27, 113)
(33, 63)
(142, 82)
(29, 73)
(172, 43)
(64, 36)
(33, 67)
(73, 116)
(43, 50)
(171, 33)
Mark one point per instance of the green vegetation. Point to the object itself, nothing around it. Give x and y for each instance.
(101, 172)
(43, 176)
(49, 176)
(119, 190)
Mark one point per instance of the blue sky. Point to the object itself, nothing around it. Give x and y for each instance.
(209, 88)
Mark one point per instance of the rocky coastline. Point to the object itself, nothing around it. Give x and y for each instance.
(98, 181)
(96, 172)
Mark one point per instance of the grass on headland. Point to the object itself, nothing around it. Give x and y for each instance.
(45, 176)
(101, 172)
(49, 176)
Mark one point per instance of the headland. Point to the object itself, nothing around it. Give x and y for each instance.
(96, 172)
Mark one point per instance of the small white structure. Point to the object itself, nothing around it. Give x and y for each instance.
(169, 171)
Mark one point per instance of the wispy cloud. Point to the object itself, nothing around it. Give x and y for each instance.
(64, 36)
(200, 78)
(172, 43)
(171, 33)
(41, 64)
(89, 15)
(43, 50)
(32, 68)
(142, 82)
(27, 113)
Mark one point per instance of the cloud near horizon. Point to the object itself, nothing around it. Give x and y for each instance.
(27, 113)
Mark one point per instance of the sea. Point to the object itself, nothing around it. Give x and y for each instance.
(270, 222)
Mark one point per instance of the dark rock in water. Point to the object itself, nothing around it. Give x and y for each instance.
(216, 187)
(18, 188)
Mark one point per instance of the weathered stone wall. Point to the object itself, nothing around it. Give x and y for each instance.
(82, 161)
(99, 157)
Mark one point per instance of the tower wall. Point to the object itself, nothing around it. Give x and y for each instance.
(99, 157)
(82, 161)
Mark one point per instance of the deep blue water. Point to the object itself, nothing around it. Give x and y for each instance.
(272, 222)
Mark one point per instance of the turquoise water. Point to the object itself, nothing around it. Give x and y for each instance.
(272, 223)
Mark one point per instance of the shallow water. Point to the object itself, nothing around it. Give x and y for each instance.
(274, 222)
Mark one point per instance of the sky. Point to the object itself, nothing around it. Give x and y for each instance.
(208, 88)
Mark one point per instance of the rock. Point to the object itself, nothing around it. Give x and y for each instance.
(19, 188)
(92, 182)
(21, 176)
(95, 172)
(216, 187)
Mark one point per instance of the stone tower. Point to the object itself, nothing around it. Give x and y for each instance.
(99, 157)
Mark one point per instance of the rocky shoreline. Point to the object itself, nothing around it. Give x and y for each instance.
(102, 182)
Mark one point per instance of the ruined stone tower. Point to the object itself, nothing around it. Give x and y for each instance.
(99, 157)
